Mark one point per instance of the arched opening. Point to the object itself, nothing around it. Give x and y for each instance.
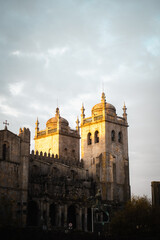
(4, 151)
(62, 219)
(113, 135)
(96, 137)
(114, 172)
(52, 214)
(89, 219)
(89, 140)
(73, 153)
(83, 222)
(33, 214)
(71, 218)
(120, 137)
(105, 216)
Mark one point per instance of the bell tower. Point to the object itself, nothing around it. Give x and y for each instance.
(104, 150)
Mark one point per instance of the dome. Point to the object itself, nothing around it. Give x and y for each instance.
(97, 109)
(52, 122)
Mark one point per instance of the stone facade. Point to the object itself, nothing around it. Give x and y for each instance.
(52, 186)
(58, 138)
(104, 149)
(14, 165)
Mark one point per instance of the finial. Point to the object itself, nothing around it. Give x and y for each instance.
(57, 112)
(77, 122)
(5, 124)
(103, 97)
(124, 111)
(37, 123)
(124, 108)
(82, 111)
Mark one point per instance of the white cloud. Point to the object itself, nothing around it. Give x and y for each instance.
(16, 88)
(57, 51)
(16, 53)
(153, 46)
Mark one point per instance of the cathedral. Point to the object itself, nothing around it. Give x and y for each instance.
(55, 187)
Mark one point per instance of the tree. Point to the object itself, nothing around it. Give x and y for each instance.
(134, 219)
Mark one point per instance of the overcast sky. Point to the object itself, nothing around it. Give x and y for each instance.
(72, 49)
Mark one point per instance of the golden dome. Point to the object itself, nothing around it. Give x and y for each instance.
(98, 108)
(52, 122)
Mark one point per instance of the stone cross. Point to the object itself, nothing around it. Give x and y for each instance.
(6, 124)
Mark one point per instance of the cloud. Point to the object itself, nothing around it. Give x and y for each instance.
(16, 53)
(16, 88)
(153, 45)
(6, 109)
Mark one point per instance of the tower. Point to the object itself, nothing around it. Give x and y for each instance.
(58, 138)
(104, 149)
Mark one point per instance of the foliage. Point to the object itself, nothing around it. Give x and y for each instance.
(136, 218)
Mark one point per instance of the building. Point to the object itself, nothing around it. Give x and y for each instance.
(104, 149)
(54, 187)
(155, 193)
(14, 165)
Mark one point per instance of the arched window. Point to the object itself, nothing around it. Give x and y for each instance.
(89, 140)
(113, 135)
(96, 137)
(73, 153)
(120, 137)
(4, 151)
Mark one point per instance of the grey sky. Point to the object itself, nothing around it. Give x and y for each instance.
(66, 49)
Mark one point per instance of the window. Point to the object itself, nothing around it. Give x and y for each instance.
(120, 137)
(113, 135)
(73, 153)
(89, 140)
(96, 137)
(4, 151)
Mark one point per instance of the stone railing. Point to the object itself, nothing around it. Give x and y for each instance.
(121, 120)
(98, 117)
(87, 120)
(41, 133)
(52, 130)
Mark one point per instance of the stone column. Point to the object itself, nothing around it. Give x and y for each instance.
(80, 219)
(65, 213)
(41, 212)
(47, 213)
(59, 216)
(85, 219)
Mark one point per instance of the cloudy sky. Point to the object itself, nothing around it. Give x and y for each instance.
(67, 51)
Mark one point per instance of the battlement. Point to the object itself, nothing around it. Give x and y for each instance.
(24, 134)
(48, 158)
